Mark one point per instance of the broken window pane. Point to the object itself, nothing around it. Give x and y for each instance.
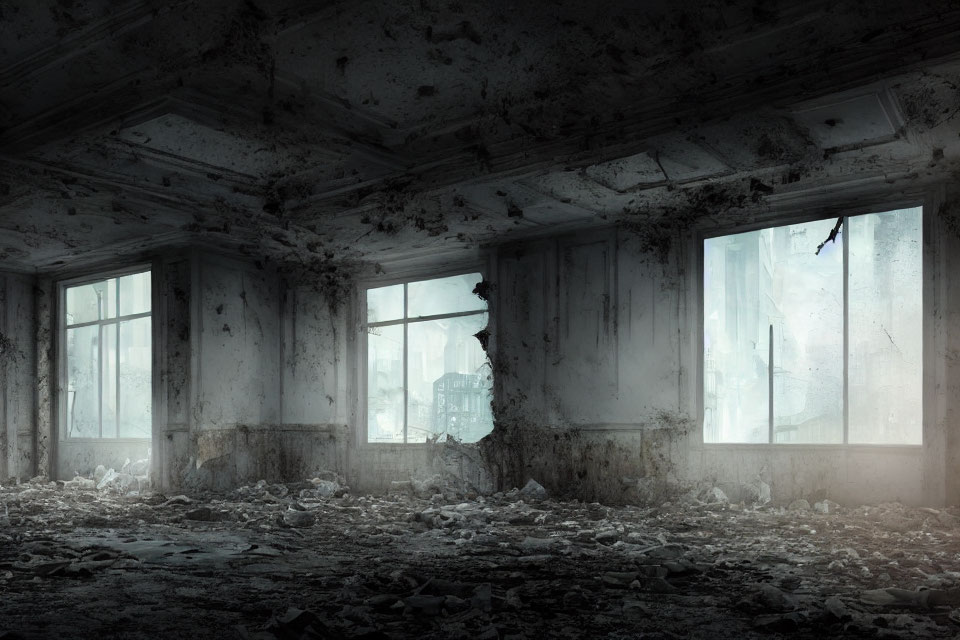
(385, 303)
(385, 384)
(806, 309)
(135, 377)
(444, 295)
(445, 389)
(83, 389)
(448, 380)
(886, 328)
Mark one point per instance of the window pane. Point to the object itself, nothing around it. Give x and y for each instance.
(886, 328)
(85, 302)
(83, 404)
(385, 384)
(108, 406)
(449, 380)
(135, 376)
(806, 309)
(737, 308)
(444, 295)
(135, 293)
(110, 298)
(385, 303)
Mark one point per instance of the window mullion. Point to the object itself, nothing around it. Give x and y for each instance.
(770, 384)
(406, 391)
(116, 370)
(846, 328)
(100, 378)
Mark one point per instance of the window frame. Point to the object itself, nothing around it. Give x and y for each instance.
(362, 346)
(61, 351)
(927, 203)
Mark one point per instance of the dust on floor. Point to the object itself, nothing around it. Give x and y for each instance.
(312, 561)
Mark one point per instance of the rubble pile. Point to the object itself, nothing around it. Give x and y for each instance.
(311, 560)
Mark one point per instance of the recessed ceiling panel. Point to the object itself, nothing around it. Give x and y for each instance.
(626, 173)
(864, 119)
(684, 161)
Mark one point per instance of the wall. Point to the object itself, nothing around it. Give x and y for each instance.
(266, 386)
(595, 359)
(17, 387)
(235, 366)
(315, 404)
(173, 373)
(596, 365)
(589, 368)
(249, 379)
(943, 379)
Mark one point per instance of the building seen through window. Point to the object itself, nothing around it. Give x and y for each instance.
(427, 374)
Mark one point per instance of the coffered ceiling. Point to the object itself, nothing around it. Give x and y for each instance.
(368, 130)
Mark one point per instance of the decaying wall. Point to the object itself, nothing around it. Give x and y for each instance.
(172, 366)
(589, 369)
(595, 358)
(942, 376)
(596, 382)
(315, 379)
(17, 384)
(265, 378)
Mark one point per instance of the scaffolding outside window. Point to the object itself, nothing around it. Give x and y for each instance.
(811, 347)
(107, 358)
(427, 373)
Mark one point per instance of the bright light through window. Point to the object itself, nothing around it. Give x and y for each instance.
(427, 374)
(778, 334)
(107, 333)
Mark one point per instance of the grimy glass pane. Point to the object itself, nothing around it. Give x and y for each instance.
(736, 314)
(108, 406)
(449, 381)
(444, 295)
(136, 399)
(135, 293)
(110, 298)
(806, 300)
(82, 397)
(886, 328)
(86, 302)
(385, 384)
(385, 303)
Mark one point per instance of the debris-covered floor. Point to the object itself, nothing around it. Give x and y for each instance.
(309, 561)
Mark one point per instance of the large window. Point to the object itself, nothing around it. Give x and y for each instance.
(811, 344)
(427, 373)
(107, 355)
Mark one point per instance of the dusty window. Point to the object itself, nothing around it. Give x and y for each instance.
(427, 374)
(106, 358)
(811, 344)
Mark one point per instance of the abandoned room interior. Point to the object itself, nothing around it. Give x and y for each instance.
(481, 320)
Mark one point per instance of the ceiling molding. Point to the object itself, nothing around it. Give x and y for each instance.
(95, 35)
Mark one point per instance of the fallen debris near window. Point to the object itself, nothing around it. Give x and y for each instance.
(305, 560)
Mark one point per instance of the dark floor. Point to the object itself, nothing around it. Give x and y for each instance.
(78, 563)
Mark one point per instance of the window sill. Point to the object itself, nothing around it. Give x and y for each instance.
(785, 446)
(103, 440)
